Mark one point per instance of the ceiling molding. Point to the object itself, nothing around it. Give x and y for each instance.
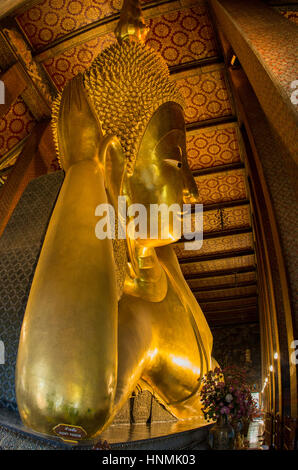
(221, 121)
(175, 70)
(218, 169)
(7, 159)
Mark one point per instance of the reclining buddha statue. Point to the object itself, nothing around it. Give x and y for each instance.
(105, 316)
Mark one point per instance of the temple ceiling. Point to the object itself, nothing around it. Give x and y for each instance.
(54, 40)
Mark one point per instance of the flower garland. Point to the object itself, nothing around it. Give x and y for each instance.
(226, 392)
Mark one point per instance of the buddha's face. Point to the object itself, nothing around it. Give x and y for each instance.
(161, 174)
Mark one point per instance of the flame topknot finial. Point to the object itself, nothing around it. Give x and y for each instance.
(131, 23)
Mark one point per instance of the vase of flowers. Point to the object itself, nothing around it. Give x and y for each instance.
(222, 434)
(236, 377)
(225, 397)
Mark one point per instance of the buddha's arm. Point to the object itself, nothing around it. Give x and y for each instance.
(67, 360)
(168, 259)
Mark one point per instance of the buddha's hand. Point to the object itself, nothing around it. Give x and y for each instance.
(76, 127)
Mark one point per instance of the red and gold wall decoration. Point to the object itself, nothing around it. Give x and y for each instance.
(14, 126)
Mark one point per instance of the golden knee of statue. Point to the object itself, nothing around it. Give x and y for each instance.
(103, 314)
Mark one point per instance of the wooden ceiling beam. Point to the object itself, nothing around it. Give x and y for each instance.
(14, 84)
(222, 287)
(226, 299)
(231, 322)
(193, 126)
(219, 273)
(238, 310)
(219, 234)
(9, 7)
(187, 66)
(38, 92)
(223, 205)
(230, 319)
(218, 169)
(215, 256)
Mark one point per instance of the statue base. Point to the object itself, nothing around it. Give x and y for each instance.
(190, 434)
(142, 423)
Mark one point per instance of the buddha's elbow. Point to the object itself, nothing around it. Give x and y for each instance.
(85, 409)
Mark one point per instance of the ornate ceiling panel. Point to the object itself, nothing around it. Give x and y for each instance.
(235, 291)
(209, 148)
(211, 222)
(217, 245)
(233, 217)
(53, 19)
(14, 126)
(175, 41)
(183, 36)
(224, 219)
(180, 36)
(222, 280)
(67, 65)
(205, 94)
(221, 187)
(218, 264)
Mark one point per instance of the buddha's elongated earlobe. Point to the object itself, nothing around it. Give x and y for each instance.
(113, 161)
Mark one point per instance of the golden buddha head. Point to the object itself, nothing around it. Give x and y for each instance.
(130, 90)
